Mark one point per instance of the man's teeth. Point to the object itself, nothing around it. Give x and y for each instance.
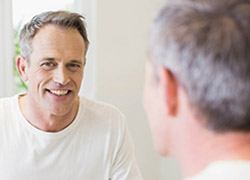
(59, 92)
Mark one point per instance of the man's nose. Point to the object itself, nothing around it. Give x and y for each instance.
(61, 75)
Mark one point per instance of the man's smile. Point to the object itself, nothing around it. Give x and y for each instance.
(59, 92)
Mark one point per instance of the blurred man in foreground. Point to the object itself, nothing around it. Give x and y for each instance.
(197, 90)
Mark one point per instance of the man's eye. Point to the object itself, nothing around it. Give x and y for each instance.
(74, 67)
(47, 65)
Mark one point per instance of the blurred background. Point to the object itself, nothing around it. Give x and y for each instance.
(118, 33)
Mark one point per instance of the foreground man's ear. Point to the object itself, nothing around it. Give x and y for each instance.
(169, 88)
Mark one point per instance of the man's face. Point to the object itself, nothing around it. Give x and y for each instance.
(155, 107)
(55, 69)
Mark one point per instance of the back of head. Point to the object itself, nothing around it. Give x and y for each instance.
(206, 45)
(63, 19)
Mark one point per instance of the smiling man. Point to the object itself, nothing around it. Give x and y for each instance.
(50, 132)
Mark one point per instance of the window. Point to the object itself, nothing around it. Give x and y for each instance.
(6, 49)
(25, 9)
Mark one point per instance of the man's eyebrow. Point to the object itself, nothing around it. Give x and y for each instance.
(48, 59)
(53, 59)
(76, 61)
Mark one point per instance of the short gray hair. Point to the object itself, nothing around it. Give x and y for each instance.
(206, 45)
(61, 18)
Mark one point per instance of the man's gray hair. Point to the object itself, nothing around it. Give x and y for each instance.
(64, 19)
(206, 45)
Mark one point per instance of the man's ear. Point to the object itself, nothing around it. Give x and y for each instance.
(22, 67)
(169, 88)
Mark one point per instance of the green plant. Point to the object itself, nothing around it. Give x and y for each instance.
(20, 85)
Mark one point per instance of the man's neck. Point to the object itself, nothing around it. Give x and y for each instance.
(195, 146)
(211, 147)
(45, 120)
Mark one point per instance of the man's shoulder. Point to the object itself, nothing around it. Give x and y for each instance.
(101, 115)
(6, 101)
(96, 105)
(225, 170)
(6, 107)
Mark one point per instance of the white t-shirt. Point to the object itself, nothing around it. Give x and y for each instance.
(225, 170)
(95, 146)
